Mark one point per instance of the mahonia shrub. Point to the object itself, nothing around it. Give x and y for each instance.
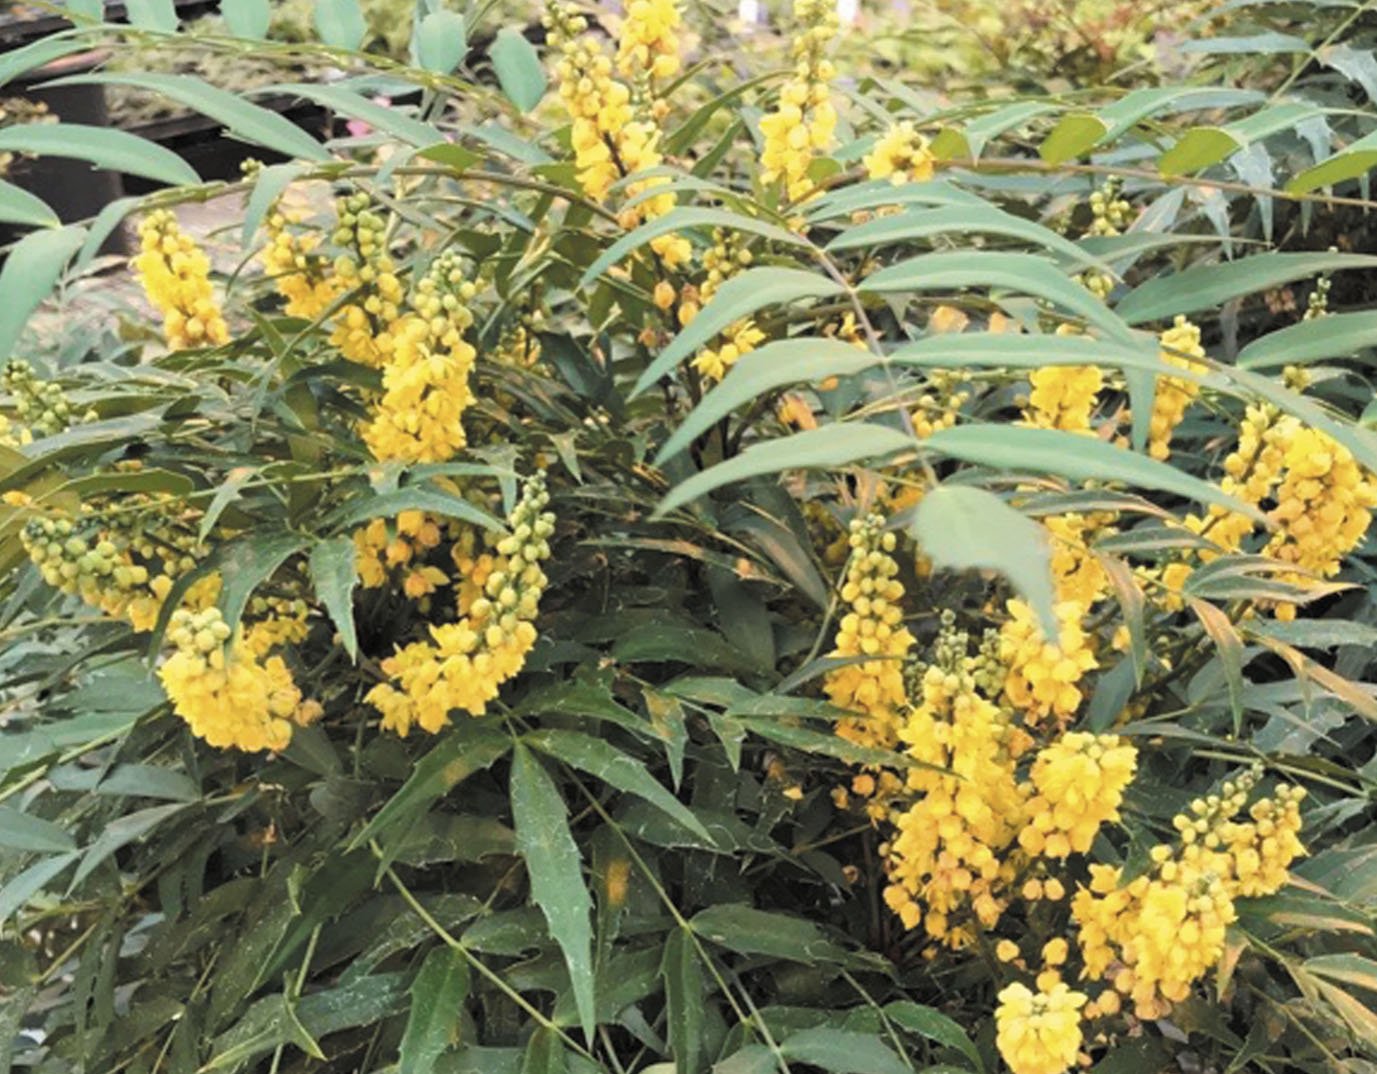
(695, 561)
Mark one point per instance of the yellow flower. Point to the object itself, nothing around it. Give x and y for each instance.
(901, 155)
(873, 630)
(1043, 677)
(1064, 397)
(1006, 950)
(649, 44)
(1038, 1032)
(804, 120)
(175, 274)
(741, 338)
(225, 692)
(462, 665)
(300, 277)
(1180, 344)
(363, 326)
(1080, 780)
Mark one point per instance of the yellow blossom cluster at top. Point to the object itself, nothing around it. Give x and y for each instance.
(1044, 676)
(175, 274)
(805, 120)
(367, 273)
(615, 135)
(419, 416)
(463, 664)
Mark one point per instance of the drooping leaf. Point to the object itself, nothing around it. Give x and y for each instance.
(18, 206)
(518, 67)
(33, 266)
(961, 527)
(334, 576)
(103, 147)
(340, 23)
(552, 862)
(441, 41)
(832, 445)
(437, 995)
(612, 766)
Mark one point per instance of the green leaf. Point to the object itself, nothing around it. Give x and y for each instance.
(1079, 132)
(16, 894)
(246, 563)
(40, 53)
(242, 120)
(340, 23)
(333, 574)
(18, 206)
(23, 831)
(160, 15)
(1349, 968)
(1072, 136)
(831, 445)
(450, 155)
(103, 147)
(882, 193)
(247, 18)
(1339, 335)
(752, 1059)
(1026, 274)
(412, 498)
(465, 749)
(740, 297)
(518, 67)
(32, 267)
(749, 931)
(842, 1052)
(121, 832)
(771, 366)
(934, 1025)
(685, 992)
(552, 862)
(441, 41)
(1210, 286)
(966, 219)
(437, 997)
(1081, 458)
(1197, 149)
(612, 766)
(387, 118)
(1356, 160)
(544, 1053)
(677, 221)
(965, 528)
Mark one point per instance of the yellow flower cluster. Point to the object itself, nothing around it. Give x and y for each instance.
(465, 663)
(1251, 471)
(873, 635)
(946, 853)
(1038, 1032)
(1043, 677)
(901, 155)
(1077, 575)
(940, 404)
(1154, 936)
(363, 326)
(1063, 397)
(175, 274)
(612, 138)
(649, 43)
(224, 689)
(1180, 345)
(376, 550)
(1324, 507)
(1079, 782)
(1109, 216)
(727, 256)
(301, 277)
(419, 416)
(741, 338)
(804, 121)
